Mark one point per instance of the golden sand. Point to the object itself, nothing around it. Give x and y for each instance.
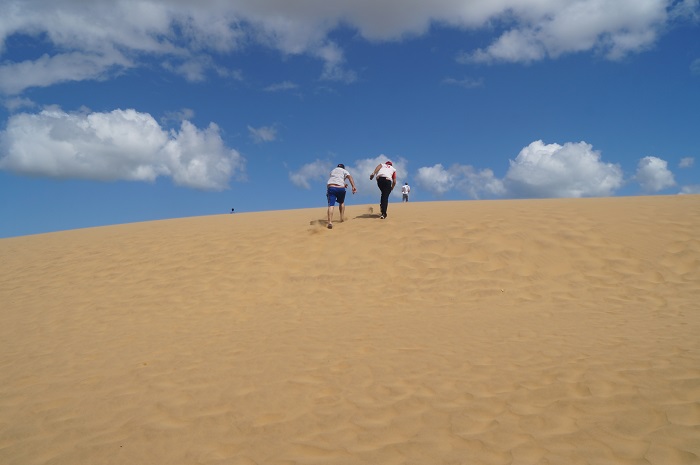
(488, 332)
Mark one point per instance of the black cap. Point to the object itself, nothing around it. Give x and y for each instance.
(340, 165)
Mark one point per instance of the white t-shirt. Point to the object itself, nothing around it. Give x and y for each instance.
(338, 176)
(405, 189)
(386, 171)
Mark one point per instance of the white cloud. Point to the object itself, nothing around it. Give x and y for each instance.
(695, 67)
(692, 189)
(48, 70)
(553, 28)
(262, 134)
(315, 172)
(653, 175)
(516, 46)
(540, 170)
(686, 162)
(281, 86)
(192, 70)
(177, 116)
(435, 179)
(475, 184)
(467, 83)
(15, 103)
(685, 10)
(196, 68)
(93, 40)
(333, 68)
(553, 170)
(119, 145)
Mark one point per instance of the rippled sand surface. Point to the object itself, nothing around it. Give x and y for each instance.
(485, 332)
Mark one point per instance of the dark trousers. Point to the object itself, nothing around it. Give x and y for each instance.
(384, 186)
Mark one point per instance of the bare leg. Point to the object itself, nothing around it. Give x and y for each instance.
(341, 208)
(330, 215)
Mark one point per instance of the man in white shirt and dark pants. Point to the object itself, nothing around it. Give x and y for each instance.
(386, 181)
(405, 189)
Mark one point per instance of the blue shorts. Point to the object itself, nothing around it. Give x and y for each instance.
(335, 194)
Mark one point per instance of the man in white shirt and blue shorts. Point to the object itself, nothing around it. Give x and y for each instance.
(335, 191)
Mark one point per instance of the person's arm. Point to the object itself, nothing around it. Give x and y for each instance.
(352, 182)
(376, 170)
(393, 180)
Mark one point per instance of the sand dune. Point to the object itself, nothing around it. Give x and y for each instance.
(485, 332)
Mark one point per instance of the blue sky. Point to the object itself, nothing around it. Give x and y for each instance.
(122, 111)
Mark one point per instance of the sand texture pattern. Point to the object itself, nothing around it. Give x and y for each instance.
(486, 332)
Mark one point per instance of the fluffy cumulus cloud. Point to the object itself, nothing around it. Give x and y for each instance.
(464, 178)
(96, 39)
(315, 172)
(119, 145)
(548, 171)
(435, 179)
(477, 184)
(540, 170)
(653, 175)
(569, 170)
(552, 28)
